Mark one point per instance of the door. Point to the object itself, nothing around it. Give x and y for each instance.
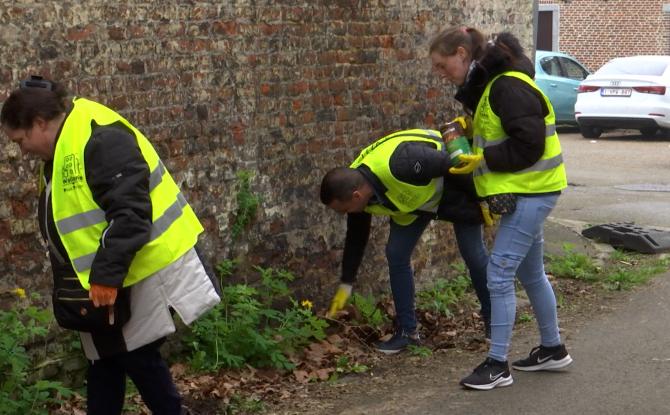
(545, 30)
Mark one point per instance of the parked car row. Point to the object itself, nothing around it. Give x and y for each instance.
(625, 93)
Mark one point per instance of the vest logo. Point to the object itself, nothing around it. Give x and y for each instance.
(405, 198)
(71, 173)
(417, 167)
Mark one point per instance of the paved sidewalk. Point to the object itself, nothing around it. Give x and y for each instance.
(621, 358)
(621, 362)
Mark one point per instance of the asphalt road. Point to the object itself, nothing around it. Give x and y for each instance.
(601, 173)
(621, 357)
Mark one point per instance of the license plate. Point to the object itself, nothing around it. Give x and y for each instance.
(616, 92)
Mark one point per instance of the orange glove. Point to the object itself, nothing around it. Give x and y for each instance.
(102, 295)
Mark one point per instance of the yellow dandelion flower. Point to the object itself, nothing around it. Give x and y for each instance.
(307, 304)
(20, 292)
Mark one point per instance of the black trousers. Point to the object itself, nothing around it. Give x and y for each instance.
(106, 382)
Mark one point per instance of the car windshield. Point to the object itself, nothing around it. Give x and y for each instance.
(633, 67)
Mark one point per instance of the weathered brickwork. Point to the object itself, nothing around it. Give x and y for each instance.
(595, 31)
(285, 89)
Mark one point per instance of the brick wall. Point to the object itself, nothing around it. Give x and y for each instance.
(595, 31)
(285, 89)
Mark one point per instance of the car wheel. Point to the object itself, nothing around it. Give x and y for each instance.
(649, 131)
(590, 132)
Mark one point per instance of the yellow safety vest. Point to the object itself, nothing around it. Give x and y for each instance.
(546, 175)
(81, 222)
(406, 197)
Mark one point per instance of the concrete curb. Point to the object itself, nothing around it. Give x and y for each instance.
(558, 232)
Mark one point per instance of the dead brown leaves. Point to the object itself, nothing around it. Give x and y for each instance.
(319, 361)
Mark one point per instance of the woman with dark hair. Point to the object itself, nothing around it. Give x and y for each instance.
(121, 240)
(520, 173)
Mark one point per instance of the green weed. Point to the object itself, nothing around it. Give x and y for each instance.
(244, 405)
(572, 265)
(19, 393)
(344, 366)
(622, 270)
(525, 317)
(419, 351)
(367, 307)
(247, 204)
(245, 329)
(634, 270)
(443, 295)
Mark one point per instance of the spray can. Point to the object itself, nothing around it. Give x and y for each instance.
(456, 141)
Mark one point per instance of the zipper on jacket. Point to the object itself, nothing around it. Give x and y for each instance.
(52, 245)
(104, 234)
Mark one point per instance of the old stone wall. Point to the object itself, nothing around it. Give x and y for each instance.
(284, 89)
(595, 31)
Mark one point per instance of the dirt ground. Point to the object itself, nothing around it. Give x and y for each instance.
(377, 388)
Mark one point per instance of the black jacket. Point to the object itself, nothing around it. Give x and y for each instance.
(459, 200)
(118, 177)
(520, 107)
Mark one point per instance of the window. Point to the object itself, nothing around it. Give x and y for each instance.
(551, 66)
(572, 69)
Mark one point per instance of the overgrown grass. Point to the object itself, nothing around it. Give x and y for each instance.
(572, 265)
(621, 271)
(629, 270)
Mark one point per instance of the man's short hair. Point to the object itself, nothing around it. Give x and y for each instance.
(340, 184)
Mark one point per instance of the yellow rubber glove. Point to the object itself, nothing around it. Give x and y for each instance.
(466, 123)
(469, 163)
(339, 300)
(489, 218)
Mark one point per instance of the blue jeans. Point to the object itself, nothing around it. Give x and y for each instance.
(518, 251)
(401, 243)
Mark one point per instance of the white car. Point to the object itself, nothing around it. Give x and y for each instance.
(631, 93)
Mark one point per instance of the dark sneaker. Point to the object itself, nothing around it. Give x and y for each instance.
(490, 374)
(544, 358)
(398, 342)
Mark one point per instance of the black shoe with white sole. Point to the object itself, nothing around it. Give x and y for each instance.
(399, 342)
(544, 358)
(488, 375)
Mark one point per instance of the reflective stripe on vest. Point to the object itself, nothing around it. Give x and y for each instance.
(407, 198)
(546, 175)
(479, 141)
(160, 225)
(95, 216)
(81, 223)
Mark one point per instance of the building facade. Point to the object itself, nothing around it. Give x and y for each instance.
(595, 31)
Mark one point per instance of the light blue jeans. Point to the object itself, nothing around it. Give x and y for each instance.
(518, 251)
